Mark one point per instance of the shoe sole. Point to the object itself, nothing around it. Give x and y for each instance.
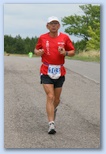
(52, 132)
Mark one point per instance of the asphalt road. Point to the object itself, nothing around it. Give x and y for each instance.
(25, 119)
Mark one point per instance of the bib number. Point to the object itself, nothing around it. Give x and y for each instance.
(54, 71)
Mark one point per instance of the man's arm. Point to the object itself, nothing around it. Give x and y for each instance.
(70, 53)
(67, 53)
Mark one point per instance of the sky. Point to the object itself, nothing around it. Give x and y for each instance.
(30, 19)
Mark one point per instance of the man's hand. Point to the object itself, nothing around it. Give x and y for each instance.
(62, 51)
(39, 52)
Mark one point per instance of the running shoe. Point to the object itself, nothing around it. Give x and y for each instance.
(51, 129)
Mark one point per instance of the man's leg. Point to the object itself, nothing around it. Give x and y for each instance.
(57, 100)
(57, 93)
(49, 89)
(58, 90)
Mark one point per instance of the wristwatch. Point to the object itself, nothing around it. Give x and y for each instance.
(66, 53)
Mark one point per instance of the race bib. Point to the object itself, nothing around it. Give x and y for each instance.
(54, 71)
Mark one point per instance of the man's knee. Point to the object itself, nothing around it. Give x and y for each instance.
(57, 100)
(51, 97)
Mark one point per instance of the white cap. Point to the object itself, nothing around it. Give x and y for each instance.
(50, 19)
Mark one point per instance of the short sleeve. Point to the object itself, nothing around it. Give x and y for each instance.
(69, 44)
(39, 44)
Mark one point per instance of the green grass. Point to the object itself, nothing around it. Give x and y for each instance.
(90, 56)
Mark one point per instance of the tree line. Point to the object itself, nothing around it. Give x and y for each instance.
(18, 45)
(85, 26)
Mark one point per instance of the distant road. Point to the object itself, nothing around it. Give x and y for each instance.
(25, 119)
(90, 70)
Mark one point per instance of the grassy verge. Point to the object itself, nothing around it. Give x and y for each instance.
(90, 56)
(21, 55)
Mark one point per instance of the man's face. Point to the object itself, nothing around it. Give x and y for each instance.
(53, 26)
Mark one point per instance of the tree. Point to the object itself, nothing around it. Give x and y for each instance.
(9, 44)
(79, 25)
(94, 41)
(80, 45)
(19, 45)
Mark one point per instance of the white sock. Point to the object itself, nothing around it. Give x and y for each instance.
(51, 122)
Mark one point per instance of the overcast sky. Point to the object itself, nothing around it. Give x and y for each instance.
(30, 19)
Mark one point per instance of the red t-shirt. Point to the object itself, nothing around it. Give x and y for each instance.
(51, 54)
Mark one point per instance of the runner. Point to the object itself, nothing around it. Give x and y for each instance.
(30, 54)
(53, 47)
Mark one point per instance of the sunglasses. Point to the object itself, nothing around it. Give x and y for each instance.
(54, 22)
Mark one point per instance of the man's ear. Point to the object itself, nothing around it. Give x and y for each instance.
(59, 25)
(47, 26)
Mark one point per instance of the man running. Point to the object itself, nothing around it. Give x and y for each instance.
(53, 47)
